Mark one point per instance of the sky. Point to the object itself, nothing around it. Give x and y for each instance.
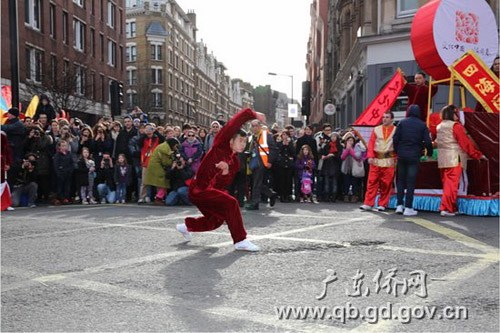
(254, 37)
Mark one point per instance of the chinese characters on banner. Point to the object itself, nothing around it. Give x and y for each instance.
(482, 83)
(372, 115)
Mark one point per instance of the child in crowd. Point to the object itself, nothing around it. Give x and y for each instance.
(123, 178)
(305, 165)
(85, 175)
(63, 167)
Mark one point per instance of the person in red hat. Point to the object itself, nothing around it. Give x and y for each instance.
(208, 188)
(453, 147)
(381, 158)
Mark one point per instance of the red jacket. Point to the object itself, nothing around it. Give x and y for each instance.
(210, 176)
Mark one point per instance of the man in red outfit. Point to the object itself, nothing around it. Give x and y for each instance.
(418, 93)
(453, 146)
(208, 188)
(381, 158)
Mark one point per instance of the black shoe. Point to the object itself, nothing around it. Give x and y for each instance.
(252, 207)
(272, 199)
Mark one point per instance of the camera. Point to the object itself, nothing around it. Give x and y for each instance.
(177, 160)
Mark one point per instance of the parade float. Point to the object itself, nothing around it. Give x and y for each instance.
(455, 42)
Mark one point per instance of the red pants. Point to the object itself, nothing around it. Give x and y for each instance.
(216, 206)
(450, 177)
(379, 180)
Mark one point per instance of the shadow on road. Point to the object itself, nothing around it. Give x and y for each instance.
(193, 282)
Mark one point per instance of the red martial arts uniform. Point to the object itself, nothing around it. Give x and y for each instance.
(208, 189)
(453, 146)
(6, 160)
(419, 95)
(380, 178)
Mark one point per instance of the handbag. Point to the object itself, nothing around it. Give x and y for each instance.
(358, 169)
(254, 161)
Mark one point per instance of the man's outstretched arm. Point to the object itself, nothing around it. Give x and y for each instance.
(234, 124)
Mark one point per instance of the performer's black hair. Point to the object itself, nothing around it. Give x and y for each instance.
(241, 133)
(448, 112)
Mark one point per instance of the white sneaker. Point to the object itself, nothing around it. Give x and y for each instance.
(446, 213)
(32, 206)
(400, 209)
(147, 200)
(140, 201)
(10, 208)
(365, 207)
(85, 202)
(246, 245)
(123, 201)
(92, 202)
(380, 208)
(184, 231)
(410, 212)
(103, 201)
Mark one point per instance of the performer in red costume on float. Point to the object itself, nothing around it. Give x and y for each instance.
(208, 188)
(453, 146)
(381, 158)
(418, 93)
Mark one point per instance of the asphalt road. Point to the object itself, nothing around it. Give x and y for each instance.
(126, 268)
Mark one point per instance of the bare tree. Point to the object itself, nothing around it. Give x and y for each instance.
(70, 86)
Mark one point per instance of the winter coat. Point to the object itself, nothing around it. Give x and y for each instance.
(194, 151)
(63, 165)
(127, 178)
(106, 176)
(148, 145)
(411, 136)
(178, 177)
(301, 164)
(16, 132)
(209, 142)
(285, 152)
(331, 165)
(160, 160)
(101, 147)
(81, 174)
(42, 147)
(122, 143)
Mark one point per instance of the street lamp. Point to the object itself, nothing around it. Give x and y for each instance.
(290, 76)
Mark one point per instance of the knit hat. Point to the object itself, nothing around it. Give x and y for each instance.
(347, 136)
(14, 111)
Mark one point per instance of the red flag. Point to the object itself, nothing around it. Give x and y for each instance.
(372, 115)
(479, 80)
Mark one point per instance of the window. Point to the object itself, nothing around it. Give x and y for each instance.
(130, 28)
(34, 59)
(52, 20)
(79, 80)
(406, 7)
(171, 57)
(156, 75)
(92, 42)
(92, 85)
(79, 35)
(156, 99)
(131, 99)
(80, 3)
(156, 53)
(101, 42)
(65, 27)
(131, 53)
(170, 80)
(33, 13)
(111, 53)
(111, 14)
(92, 7)
(131, 77)
(103, 88)
(53, 68)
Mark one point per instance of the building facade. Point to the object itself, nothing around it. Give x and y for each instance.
(316, 58)
(160, 61)
(367, 42)
(69, 50)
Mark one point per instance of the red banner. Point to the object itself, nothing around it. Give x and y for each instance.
(482, 83)
(372, 115)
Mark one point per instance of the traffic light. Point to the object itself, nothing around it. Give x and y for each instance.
(116, 90)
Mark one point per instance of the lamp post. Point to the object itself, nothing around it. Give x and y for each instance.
(290, 76)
